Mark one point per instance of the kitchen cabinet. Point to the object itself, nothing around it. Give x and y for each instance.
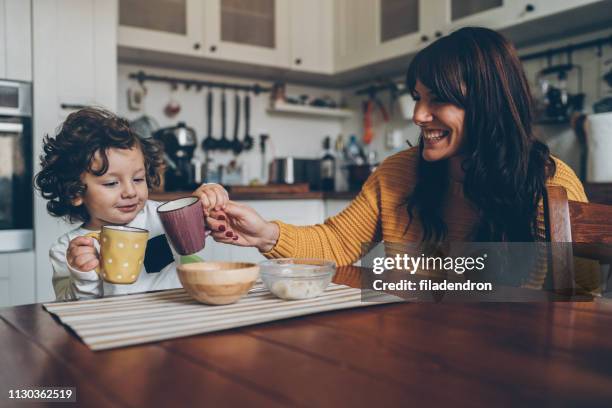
(247, 31)
(173, 26)
(403, 26)
(372, 31)
(243, 31)
(355, 32)
(494, 14)
(531, 9)
(15, 40)
(75, 64)
(17, 278)
(312, 37)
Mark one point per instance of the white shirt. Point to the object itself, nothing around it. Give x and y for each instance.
(70, 283)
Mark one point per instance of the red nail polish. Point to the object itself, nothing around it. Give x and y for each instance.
(221, 218)
(235, 237)
(221, 228)
(229, 234)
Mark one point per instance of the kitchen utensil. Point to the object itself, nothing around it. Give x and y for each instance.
(236, 144)
(209, 143)
(179, 143)
(263, 140)
(296, 171)
(173, 107)
(135, 97)
(122, 251)
(223, 143)
(217, 283)
(295, 279)
(144, 126)
(368, 131)
(183, 222)
(555, 103)
(248, 141)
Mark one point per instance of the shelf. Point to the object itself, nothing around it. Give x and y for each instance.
(288, 108)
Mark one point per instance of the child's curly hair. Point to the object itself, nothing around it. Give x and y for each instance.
(71, 153)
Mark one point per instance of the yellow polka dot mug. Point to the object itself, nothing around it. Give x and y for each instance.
(122, 251)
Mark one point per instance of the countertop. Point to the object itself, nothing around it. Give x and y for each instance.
(597, 193)
(310, 195)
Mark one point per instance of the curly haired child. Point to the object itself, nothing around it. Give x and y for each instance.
(97, 171)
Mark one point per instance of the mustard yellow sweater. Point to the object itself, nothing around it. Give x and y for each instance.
(378, 213)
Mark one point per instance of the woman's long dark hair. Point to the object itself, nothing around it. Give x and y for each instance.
(505, 167)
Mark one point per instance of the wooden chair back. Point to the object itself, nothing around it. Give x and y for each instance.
(587, 226)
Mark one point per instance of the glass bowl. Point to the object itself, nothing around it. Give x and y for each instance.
(295, 279)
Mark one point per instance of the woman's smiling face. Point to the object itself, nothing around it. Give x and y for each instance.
(441, 124)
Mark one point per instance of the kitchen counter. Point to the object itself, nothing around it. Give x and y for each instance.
(242, 196)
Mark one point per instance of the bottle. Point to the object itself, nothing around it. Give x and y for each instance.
(328, 166)
(353, 152)
(341, 183)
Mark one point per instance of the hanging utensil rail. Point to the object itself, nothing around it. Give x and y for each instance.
(142, 77)
(568, 49)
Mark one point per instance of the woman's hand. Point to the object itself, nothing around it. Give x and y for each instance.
(212, 196)
(82, 254)
(241, 225)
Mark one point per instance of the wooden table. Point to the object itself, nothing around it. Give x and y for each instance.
(447, 354)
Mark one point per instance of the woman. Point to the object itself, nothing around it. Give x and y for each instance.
(478, 173)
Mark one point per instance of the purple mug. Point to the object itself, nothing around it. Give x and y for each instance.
(183, 221)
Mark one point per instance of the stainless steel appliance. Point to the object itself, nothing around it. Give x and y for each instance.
(291, 170)
(179, 143)
(16, 197)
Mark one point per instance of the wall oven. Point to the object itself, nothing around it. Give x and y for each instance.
(16, 194)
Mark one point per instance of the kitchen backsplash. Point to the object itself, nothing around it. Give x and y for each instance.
(290, 134)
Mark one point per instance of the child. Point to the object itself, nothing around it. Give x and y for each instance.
(97, 171)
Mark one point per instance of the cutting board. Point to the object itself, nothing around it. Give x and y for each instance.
(271, 188)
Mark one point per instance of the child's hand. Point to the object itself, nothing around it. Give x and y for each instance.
(212, 196)
(82, 254)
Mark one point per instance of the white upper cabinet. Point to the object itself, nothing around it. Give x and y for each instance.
(174, 26)
(403, 26)
(530, 9)
(249, 31)
(15, 40)
(355, 33)
(494, 14)
(370, 31)
(312, 37)
(315, 36)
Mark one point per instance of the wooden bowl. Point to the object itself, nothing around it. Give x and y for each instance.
(217, 283)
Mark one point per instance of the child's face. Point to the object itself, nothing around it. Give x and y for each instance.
(118, 195)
